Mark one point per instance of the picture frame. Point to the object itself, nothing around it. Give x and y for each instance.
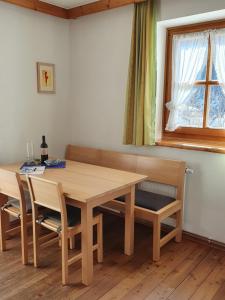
(46, 78)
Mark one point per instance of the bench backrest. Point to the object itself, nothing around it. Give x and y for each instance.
(164, 171)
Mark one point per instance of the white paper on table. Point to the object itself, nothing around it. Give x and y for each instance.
(32, 170)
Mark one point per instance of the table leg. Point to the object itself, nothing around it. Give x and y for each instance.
(3, 200)
(129, 222)
(87, 244)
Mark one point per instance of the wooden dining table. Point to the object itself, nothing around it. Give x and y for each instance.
(87, 186)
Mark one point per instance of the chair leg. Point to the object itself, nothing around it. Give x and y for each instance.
(156, 240)
(3, 218)
(24, 243)
(64, 241)
(100, 240)
(179, 218)
(72, 242)
(36, 231)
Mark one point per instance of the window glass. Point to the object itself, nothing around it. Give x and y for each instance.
(216, 114)
(191, 114)
(202, 74)
(214, 75)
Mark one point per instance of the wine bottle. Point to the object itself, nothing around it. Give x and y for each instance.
(44, 150)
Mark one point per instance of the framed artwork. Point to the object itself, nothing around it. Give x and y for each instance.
(45, 78)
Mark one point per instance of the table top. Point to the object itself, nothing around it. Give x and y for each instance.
(85, 182)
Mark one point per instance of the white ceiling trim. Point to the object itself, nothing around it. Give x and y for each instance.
(69, 3)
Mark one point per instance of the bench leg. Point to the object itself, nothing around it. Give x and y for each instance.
(156, 240)
(179, 219)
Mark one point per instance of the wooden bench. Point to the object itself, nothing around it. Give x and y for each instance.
(163, 171)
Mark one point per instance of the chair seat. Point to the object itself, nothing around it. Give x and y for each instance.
(149, 200)
(15, 203)
(73, 215)
(14, 211)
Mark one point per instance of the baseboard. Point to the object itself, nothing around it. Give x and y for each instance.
(203, 240)
(197, 238)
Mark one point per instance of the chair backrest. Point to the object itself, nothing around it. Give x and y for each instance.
(46, 193)
(10, 184)
(160, 170)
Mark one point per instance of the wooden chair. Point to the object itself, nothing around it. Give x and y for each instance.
(155, 207)
(11, 186)
(148, 206)
(62, 219)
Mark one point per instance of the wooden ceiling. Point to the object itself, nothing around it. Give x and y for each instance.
(72, 13)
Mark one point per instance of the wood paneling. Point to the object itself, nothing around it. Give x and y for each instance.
(72, 13)
(23, 3)
(88, 9)
(98, 6)
(51, 9)
(41, 7)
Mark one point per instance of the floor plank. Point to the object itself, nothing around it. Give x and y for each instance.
(189, 286)
(164, 267)
(178, 275)
(220, 294)
(212, 284)
(187, 270)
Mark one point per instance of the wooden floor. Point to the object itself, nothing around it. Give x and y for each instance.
(186, 271)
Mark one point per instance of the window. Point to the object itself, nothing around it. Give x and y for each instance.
(195, 82)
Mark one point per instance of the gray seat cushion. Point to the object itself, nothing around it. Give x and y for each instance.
(150, 200)
(15, 203)
(73, 215)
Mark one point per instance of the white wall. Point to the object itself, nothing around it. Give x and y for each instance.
(169, 9)
(100, 55)
(100, 48)
(25, 38)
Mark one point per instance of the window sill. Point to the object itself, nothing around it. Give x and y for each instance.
(191, 144)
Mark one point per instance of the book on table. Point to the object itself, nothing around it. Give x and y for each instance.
(36, 168)
(32, 170)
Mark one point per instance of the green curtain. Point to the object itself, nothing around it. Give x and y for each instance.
(141, 88)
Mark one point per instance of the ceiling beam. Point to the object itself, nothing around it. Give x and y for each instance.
(41, 7)
(72, 13)
(52, 9)
(98, 6)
